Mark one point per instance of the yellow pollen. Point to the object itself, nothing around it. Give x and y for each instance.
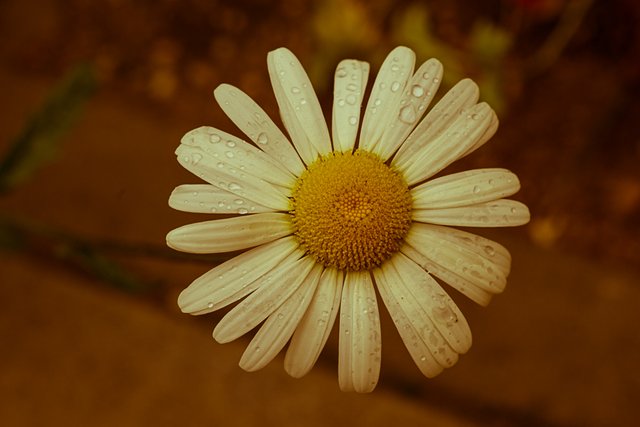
(351, 211)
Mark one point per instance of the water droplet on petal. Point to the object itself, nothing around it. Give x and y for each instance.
(195, 158)
(341, 72)
(234, 187)
(214, 138)
(231, 144)
(351, 99)
(210, 305)
(417, 91)
(353, 120)
(238, 201)
(377, 102)
(394, 68)
(229, 154)
(407, 114)
(243, 211)
(489, 250)
(295, 89)
(476, 189)
(262, 138)
(352, 87)
(395, 86)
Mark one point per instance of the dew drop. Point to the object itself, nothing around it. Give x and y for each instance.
(352, 87)
(295, 89)
(238, 201)
(476, 189)
(220, 165)
(407, 114)
(213, 210)
(423, 358)
(210, 305)
(513, 210)
(262, 138)
(341, 72)
(195, 158)
(221, 204)
(341, 102)
(214, 138)
(395, 86)
(234, 187)
(351, 99)
(394, 68)
(417, 91)
(229, 154)
(243, 211)
(489, 250)
(303, 101)
(231, 144)
(353, 120)
(280, 316)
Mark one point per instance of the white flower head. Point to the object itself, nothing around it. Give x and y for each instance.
(328, 217)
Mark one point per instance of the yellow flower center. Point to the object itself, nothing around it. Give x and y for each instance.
(351, 211)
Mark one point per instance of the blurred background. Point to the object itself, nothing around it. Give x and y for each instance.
(95, 97)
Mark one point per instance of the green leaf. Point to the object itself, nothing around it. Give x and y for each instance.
(41, 136)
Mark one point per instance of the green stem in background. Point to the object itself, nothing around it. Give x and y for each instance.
(91, 256)
(41, 135)
(554, 45)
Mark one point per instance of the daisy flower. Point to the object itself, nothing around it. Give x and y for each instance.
(326, 218)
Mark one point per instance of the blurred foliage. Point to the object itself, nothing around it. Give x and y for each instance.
(484, 52)
(41, 136)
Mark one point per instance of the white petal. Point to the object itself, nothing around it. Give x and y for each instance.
(497, 213)
(257, 125)
(416, 97)
(314, 329)
(232, 179)
(230, 234)
(462, 96)
(359, 345)
(348, 90)
(491, 130)
(299, 107)
(385, 96)
(432, 301)
(206, 198)
(465, 261)
(228, 151)
(387, 280)
(245, 316)
(468, 288)
(465, 188)
(450, 145)
(279, 326)
(237, 277)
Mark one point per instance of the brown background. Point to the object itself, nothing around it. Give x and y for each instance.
(558, 348)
